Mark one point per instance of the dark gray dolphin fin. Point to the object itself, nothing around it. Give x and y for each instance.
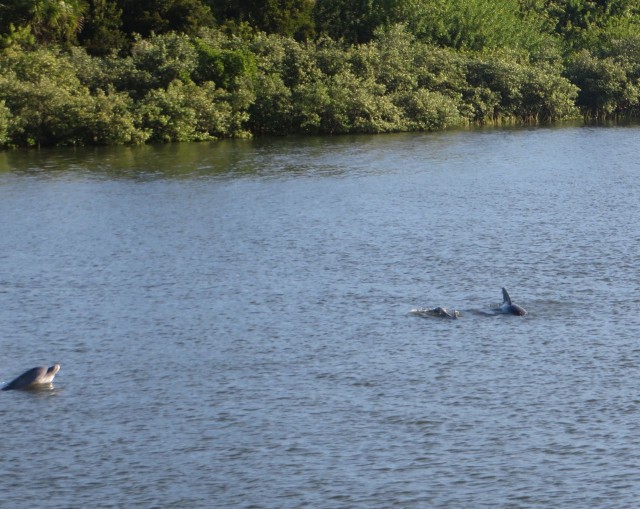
(505, 296)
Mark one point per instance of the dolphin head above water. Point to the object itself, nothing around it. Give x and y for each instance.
(33, 378)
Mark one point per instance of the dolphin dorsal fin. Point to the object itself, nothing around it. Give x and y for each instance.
(505, 296)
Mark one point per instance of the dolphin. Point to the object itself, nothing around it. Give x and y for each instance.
(438, 312)
(33, 378)
(509, 307)
(444, 312)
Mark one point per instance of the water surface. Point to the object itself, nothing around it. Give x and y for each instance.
(233, 322)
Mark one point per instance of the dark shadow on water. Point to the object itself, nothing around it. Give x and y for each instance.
(262, 157)
(139, 163)
(272, 157)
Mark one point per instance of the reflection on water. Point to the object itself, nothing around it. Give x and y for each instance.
(263, 157)
(230, 158)
(234, 321)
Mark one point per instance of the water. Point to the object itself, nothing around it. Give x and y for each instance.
(233, 322)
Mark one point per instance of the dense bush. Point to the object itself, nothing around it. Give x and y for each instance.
(605, 87)
(162, 60)
(5, 119)
(186, 112)
(175, 87)
(48, 104)
(504, 86)
(124, 71)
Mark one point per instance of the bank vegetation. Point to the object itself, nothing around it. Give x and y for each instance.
(125, 72)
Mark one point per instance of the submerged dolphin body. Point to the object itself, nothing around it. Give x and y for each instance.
(438, 312)
(33, 378)
(444, 312)
(509, 307)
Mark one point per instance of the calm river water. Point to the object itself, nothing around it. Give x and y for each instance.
(234, 328)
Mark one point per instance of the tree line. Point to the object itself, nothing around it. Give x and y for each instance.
(135, 71)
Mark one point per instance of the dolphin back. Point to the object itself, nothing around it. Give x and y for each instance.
(26, 379)
(517, 310)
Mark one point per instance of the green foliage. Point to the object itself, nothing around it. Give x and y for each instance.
(271, 111)
(505, 87)
(605, 87)
(49, 105)
(221, 65)
(5, 119)
(626, 51)
(41, 93)
(55, 98)
(49, 21)
(109, 119)
(585, 23)
(469, 24)
(396, 82)
(16, 36)
(425, 110)
(188, 112)
(359, 104)
(101, 32)
(419, 74)
(291, 18)
(310, 100)
(355, 21)
(546, 96)
(460, 24)
(147, 17)
(161, 59)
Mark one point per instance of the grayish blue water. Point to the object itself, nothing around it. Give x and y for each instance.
(233, 322)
